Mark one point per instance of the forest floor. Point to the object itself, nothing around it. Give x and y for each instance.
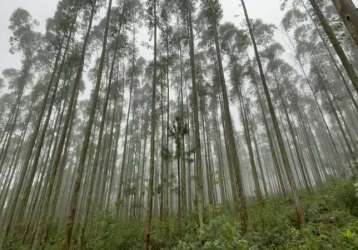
(331, 223)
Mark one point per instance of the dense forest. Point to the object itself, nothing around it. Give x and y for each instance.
(206, 135)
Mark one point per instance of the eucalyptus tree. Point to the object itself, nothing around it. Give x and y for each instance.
(335, 43)
(122, 20)
(133, 74)
(53, 41)
(63, 93)
(254, 78)
(24, 40)
(234, 44)
(65, 30)
(205, 93)
(11, 76)
(276, 66)
(73, 94)
(167, 40)
(349, 148)
(7, 98)
(263, 34)
(213, 107)
(179, 66)
(312, 40)
(259, 156)
(152, 12)
(74, 197)
(146, 125)
(284, 155)
(88, 10)
(236, 74)
(133, 163)
(291, 20)
(186, 8)
(178, 130)
(119, 99)
(306, 46)
(126, 17)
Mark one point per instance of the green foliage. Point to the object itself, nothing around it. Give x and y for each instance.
(23, 37)
(165, 233)
(330, 224)
(329, 216)
(347, 195)
(115, 235)
(220, 233)
(273, 226)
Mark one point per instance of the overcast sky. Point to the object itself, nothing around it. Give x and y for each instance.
(268, 10)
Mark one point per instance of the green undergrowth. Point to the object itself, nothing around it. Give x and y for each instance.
(331, 223)
(331, 214)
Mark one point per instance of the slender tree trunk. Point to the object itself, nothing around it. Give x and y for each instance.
(77, 184)
(245, 121)
(330, 54)
(288, 170)
(90, 196)
(31, 145)
(335, 43)
(274, 155)
(148, 226)
(258, 157)
(198, 159)
(315, 97)
(229, 130)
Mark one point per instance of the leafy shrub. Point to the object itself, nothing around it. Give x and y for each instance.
(114, 235)
(221, 233)
(166, 233)
(346, 195)
(349, 236)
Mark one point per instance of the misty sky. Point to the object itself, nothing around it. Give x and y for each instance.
(268, 10)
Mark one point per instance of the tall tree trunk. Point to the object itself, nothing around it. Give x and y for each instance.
(315, 97)
(245, 121)
(288, 169)
(90, 195)
(335, 43)
(195, 105)
(258, 157)
(274, 155)
(32, 141)
(77, 184)
(148, 226)
(349, 14)
(229, 130)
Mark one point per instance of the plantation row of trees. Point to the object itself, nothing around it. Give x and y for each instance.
(222, 114)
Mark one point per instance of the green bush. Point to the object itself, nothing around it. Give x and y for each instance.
(348, 237)
(221, 233)
(346, 195)
(114, 235)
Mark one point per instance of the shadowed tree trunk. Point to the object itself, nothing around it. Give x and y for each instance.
(349, 14)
